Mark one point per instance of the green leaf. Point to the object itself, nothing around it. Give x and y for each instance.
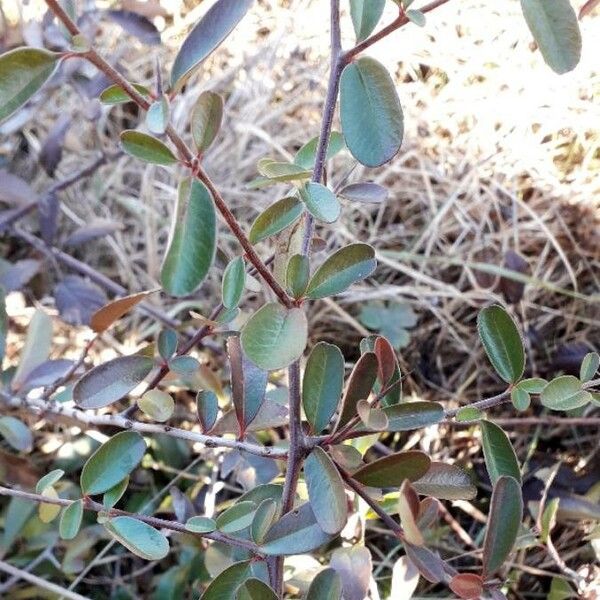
(206, 120)
(275, 219)
(48, 480)
(322, 385)
(504, 520)
(413, 415)
(255, 589)
(500, 457)
(147, 148)
(277, 171)
(532, 385)
(297, 275)
(343, 268)
(263, 519)
(360, 384)
(116, 95)
(365, 16)
(392, 470)
(185, 366)
(520, 398)
(306, 156)
(16, 433)
(47, 512)
(115, 493)
(446, 482)
(236, 517)
(139, 537)
(565, 393)
(208, 34)
(548, 520)
(70, 520)
(325, 491)
(274, 336)
(167, 343)
(157, 117)
(502, 342)
(234, 279)
(110, 381)
(297, 532)
(589, 366)
(226, 583)
(207, 406)
(416, 17)
(36, 348)
(468, 413)
(112, 462)
(201, 525)
(556, 31)
(370, 111)
(320, 202)
(193, 240)
(366, 192)
(24, 72)
(157, 405)
(327, 585)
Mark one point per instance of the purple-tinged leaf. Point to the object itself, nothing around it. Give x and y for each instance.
(46, 373)
(429, 563)
(359, 386)
(135, 24)
(52, 148)
(367, 193)
(48, 212)
(17, 275)
(77, 299)
(96, 229)
(354, 566)
(392, 470)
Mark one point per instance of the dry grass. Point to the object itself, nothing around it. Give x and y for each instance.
(499, 154)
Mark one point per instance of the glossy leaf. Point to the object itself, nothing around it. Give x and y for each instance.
(589, 367)
(255, 589)
(556, 31)
(207, 406)
(306, 156)
(24, 72)
(327, 585)
(297, 275)
(275, 219)
(367, 193)
(115, 493)
(139, 537)
(365, 16)
(117, 95)
(413, 415)
(446, 482)
(206, 36)
(320, 202)
(201, 525)
(70, 520)
(157, 405)
(348, 265)
(16, 433)
(234, 279)
(322, 385)
(360, 384)
(502, 342)
(392, 470)
(192, 241)
(296, 532)
(103, 318)
(206, 120)
(354, 565)
(263, 519)
(325, 491)
(504, 520)
(274, 336)
(110, 381)
(372, 120)
(147, 148)
(112, 462)
(48, 480)
(565, 393)
(500, 457)
(236, 517)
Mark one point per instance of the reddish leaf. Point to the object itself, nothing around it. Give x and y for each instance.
(430, 565)
(359, 386)
(386, 360)
(467, 586)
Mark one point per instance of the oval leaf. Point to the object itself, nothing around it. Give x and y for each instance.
(201, 525)
(206, 36)
(48, 480)
(327, 585)
(48, 512)
(502, 342)
(206, 120)
(413, 415)
(589, 366)
(359, 386)
(263, 519)
(365, 16)
(467, 585)
(24, 72)
(139, 537)
(110, 313)
(158, 405)
(565, 393)
(297, 274)
(372, 120)
(192, 242)
(325, 491)
(343, 268)
(110, 381)
(445, 482)
(157, 117)
(322, 385)
(234, 279)
(117, 95)
(115, 493)
(556, 31)
(147, 148)
(274, 336)
(275, 219)
(112, 462)
(17, 434)
(306, 156)
(321, 202)
(392, 470)
(500, 457)
(207, 406)
(255, 589)
(70, 520)
(367, 193)
(504, 520)
(236, 517)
